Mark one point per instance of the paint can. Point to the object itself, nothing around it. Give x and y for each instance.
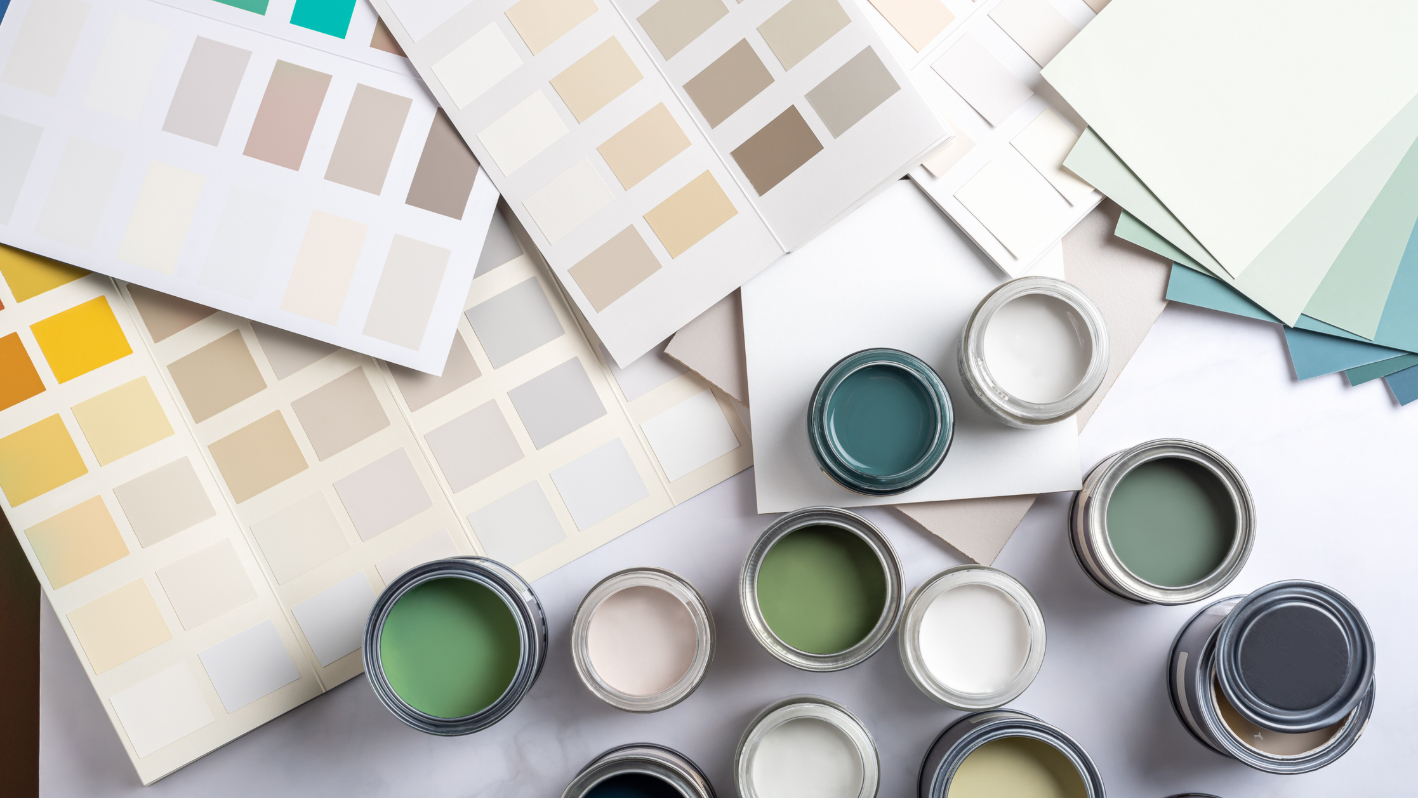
(1034, 352)
(1169, 521)
(644, 770)
(642, 639)
(1281, 679)
(972, 637)
(421, 620)
(821, 589)
(986, 753)
(806, 746)
(880, 422)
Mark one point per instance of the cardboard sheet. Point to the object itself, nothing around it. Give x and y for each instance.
(713, 345)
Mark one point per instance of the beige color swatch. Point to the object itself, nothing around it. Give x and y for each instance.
(541, 22)
(918, 21)
(948, 156)
(728, 83)
(161, 215)
(596, 78)
(421, 389)
(287, 352)
(614, 268)
(643, 146)
(300, 537)
(119, 626)
(207, 584)
(167, 500)
(76, 542)
(163, 314)
(1097, 5)
(712, 345)
(690, 214)
(258, 456)
(122, 420)
(324, 267)
(802, 26)
(367, 139)
(854, 90)
(776, 151)
(673, 24)
(340, 414)
(217, 376)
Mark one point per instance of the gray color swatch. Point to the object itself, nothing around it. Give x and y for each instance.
(597, 485)
(206, 90)
(517, 526)
(383, 494)
(557, 403)
(164, 501)
(501, 245)
(420, 389)
(18, 142)
(474, 446)
(297, 538)
(446, 171)
(514, 322)
(852, 92)
(408, 288)
(370, 132)
(288, 352)
(340, 413)
(241, 247)
(39, 55)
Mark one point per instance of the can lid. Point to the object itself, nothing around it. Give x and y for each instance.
(1295, 656)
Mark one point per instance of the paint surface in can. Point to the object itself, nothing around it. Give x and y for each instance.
(634, 785)
(807, 758)
(882, 420)
(1171, 522)
(1017, 767)
(821, 589)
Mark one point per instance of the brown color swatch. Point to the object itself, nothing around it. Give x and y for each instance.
(383, 39)
(20, 379)
(596, 78)
(776, 151)
(217, 376)
(673, 24)
(287, 115)
(258, 456)
(852, 92)
(446, 171)
(728, 83)
(165, 315)
(340, 414)
(76, 542)
(541, 22)
(206, 91)
(614, 268)
(643, 146)
(690, 214)
(365, 146)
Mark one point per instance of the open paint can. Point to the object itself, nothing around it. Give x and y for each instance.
(453, 645)
(1006, 752)
(972, 637)
(1166, 522)
(1034, 351)
(821, 589)
(806, 746)
(1282, 679)
(880, 422)
(642, 640)
(642, 770)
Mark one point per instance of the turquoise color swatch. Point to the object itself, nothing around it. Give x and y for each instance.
(1191, 287)
(1373, 371)
(254, 6)
(326, 16)
(1404, 385)
(1317, 354)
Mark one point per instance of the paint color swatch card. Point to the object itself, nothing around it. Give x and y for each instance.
(978, 62)
(812, 309)
(662, 152)
(238, 169)
(213, 504)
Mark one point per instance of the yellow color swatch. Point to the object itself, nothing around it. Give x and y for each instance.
(38, 459)
(80, 339)
(120, 421)
(119, 626)
(690, 214)
(77, 542)
(30, 275)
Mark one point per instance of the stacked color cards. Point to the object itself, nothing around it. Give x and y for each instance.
(232, 167)
(662, 152)
(213, 504)
(1002, 178)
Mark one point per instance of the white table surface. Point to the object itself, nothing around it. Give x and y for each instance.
(1333, 471)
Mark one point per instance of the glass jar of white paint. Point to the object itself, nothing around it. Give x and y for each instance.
(1005, 752)
(1034, 351)
(972, 637)
(806, 747)
(640, 769)
(642, 639)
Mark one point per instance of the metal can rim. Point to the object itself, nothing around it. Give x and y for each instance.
(939, 766)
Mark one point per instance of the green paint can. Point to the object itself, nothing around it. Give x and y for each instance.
(452, 646)
(1166, 522)
(821, 589)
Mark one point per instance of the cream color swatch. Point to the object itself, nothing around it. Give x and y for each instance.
(541, 22)
(918, 21)
(950, 154)
(162, 709)
(300, 537)
(477, 65)
(570, 199)
(673, 24)
(207, 584)
(996, 199)
(76, 542)
(163, 212)
(1044, 144)
(119, 626)
(643, 146)
(690, 214)
(258, 456)
(800, 27)
(522, 133)
(1036, 26)
(167, 500)
(324, 267)
(596, 78)
(122, 420)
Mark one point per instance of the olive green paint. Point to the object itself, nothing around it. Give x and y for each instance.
(1171, 522)
(449, 647)
(821, 589)
(882, 420)
(1017, 767)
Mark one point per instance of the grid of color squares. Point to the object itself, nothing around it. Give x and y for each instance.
(235, 169)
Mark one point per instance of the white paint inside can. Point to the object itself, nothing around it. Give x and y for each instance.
(974, 639)
(641, 640)
(1037, 348)
(807, 758)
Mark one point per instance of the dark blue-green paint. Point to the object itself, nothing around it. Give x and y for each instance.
(881, 419)
(634, 785)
